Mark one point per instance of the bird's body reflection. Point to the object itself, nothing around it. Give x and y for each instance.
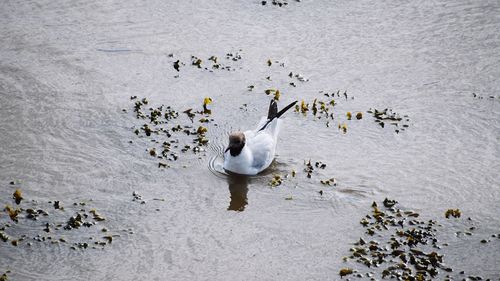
(238, 187)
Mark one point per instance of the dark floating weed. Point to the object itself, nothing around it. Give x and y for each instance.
(276, 180)
(399, 245)
(177, 65)
(277, 3)
(4, 276)
(51, 228)
(323, 108)
(160, 124)
(210, 64)
(345, 271)
(138, 197)
(18, 196)
(309, 168)
(403, 254)
(330, 181)
(490, 97)
(388, 116)
(320, 165)
(452, 212)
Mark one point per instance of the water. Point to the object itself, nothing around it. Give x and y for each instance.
(67, 69)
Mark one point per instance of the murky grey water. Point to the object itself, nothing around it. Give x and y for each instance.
(68, 68)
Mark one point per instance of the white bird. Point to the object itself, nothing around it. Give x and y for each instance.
(252, 151)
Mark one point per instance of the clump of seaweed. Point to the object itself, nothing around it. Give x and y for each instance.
(323, 108)
(277, 3)
(388, 116)
(452, 212)
(163, 123)
(410, 252)
(276, 180)
(4, 276)
(211, 64)
(18, 196)
(49, 228)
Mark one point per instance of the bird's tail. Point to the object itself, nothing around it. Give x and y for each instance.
(273, 110)
(274, 114)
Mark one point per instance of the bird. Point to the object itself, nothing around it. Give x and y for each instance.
(252, 151)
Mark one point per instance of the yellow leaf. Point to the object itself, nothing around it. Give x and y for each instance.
(277, 95)
(207, 101)
(201, 130)
(303, 106)
(18, 196)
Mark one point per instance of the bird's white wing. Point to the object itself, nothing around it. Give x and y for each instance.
(262, 146)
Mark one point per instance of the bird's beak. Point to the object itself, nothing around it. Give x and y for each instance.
(229, 147)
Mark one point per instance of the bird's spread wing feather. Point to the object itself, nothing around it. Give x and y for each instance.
(262, 147)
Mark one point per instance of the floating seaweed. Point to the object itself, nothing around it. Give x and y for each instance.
(309, 168)
(345, 271)
(452, 212)
(411, 252)
(51, 227)
(17, 196)
(387, 115)
(330, 181)
(177, 65)
(276, 180)
(322, 107)
(160, 126)
(13, 213)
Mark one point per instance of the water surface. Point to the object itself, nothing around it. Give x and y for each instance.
(68, 68)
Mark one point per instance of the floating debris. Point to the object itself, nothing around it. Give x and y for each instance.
(97, 216)
(53, 230)
(452, 212)
(359, 115)
(323, 108)
(330, 181)
(320, 165)
(277, 95)
(159, 126)
(176, 65)
(388, 115)
(343, 127)
(17, 196)
(411, 252)
(389, 203)
(4, 237)
(196, 61)
(138, 197)
(206, 101)
(12, 213)
(309, 168)
(213, 58)
(57, 205)
(345, 271)
(276, 180)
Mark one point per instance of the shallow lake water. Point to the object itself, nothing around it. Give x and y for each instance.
(69, 68)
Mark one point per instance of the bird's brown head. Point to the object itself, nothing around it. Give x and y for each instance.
(236, 143)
